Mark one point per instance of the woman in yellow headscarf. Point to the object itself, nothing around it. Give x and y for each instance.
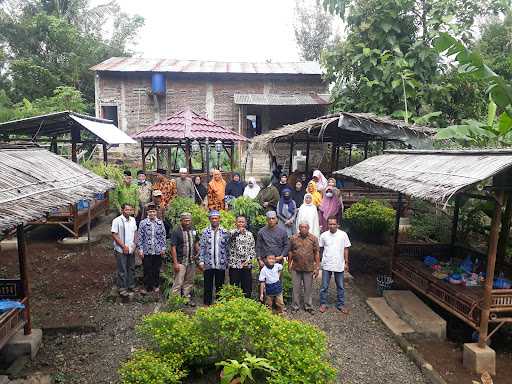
(317, 196)
(216, 188)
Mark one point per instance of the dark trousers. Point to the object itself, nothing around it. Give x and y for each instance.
(125, 271)
(241, 277)
(151, 264)
(212, 276)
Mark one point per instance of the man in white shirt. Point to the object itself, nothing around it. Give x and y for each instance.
(334, 245)
(123, 231)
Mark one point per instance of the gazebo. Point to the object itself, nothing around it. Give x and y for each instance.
(439, 177)
(33, 182)
(186, 132)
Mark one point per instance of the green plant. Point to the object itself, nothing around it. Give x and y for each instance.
(176, 207)
(227, 220)
(247, 207)
(286, 281)
(244, 370)
(229, 292)
(370, 219)
(146, 367)
(175, 302)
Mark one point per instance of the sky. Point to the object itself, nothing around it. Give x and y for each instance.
(229, 30)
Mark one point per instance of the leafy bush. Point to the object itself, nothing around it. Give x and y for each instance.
(247, 207)
(147, 367)
(175, 302)
(176, 207)
(233, 328)
(229, 292)
(370, 219)
(286, 281)
(251, 367)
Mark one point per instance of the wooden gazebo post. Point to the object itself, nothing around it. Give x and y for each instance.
(24, 277)
(290, 170)
(491, 263)
(105, 153)
(143, 155)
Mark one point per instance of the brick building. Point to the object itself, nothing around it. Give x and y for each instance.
(250, 98)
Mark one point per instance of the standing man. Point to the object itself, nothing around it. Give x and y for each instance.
(184, 250)
(144, 190)
(241, 254)
(166, 186)
(334, 245)
(151, 245)
(213, 256)
(304, 264)
(127, 193)
(272, 240)
(268, 198)
(157, 201)
(184, 185)
(123, 233)
(283, 183)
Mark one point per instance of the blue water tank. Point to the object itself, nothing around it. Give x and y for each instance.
(158, 84)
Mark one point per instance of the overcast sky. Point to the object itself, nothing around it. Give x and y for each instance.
(232, 30)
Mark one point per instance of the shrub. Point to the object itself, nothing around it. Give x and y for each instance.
(227, 220)
(247, 207)
(175, 302)
(370, 219)
(229, 292)
(229, 330)
(176, 207)
(147, 367)
(286, 280)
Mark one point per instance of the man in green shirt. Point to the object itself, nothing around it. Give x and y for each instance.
(127, 193)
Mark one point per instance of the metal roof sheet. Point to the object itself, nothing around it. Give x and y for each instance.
(59, 123)
(187, 124)
(137, 64)
(270, 99)
(430, 175)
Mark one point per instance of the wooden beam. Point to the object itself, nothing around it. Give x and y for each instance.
(350, 155)
(158, 158)
(455, 222)
(365, 150)
(24, 275)
(397, 228)
(188, 157)
(307, 156)
(207, 161)
(105, 153)
(290, 159)
(337, 157)
(505, 231)
(334, 148)
(491, 264)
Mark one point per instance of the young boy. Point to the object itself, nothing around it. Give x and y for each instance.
(270, 284)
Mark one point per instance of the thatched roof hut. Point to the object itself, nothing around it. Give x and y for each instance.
(33, 181)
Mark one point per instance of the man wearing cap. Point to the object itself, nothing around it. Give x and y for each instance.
(184, 185)
(272, 240)
(166, 186)
(126, 193)
(157, 200)
(144, 190)
(184, 251)
(213, 256)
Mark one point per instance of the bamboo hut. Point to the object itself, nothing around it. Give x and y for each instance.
(443, 177)
(33, 182)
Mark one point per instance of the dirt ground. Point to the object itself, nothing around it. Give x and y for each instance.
(368, 261)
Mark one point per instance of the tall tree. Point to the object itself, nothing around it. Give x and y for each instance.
(313, 29)
(48, 43)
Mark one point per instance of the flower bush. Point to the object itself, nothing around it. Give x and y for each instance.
(370, 219)
(229, 330)
(229, 292)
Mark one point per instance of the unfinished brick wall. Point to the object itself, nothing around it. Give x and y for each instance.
(203, 93)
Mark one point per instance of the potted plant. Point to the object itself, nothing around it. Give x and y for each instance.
(250, 369)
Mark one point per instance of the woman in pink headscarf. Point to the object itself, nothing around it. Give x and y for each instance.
(320, 180)
(330, 206)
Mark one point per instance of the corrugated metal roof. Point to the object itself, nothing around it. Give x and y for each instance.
(430, 175)
(137, 64)
(187, 124)
(60, 123)
(267, 99)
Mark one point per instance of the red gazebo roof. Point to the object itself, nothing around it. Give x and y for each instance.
(187, 124)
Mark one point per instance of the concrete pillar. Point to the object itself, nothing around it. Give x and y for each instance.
(210, 102)
(478, 359)
(97, 106)
(121, 109)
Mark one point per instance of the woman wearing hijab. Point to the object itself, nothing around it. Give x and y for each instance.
(330, 206)
(320, 180)
(308, 213)
(331, 182)
(312, 190)
(287, 211)
(235, 187)
(200, 190)
(252, 189)
(216, 191)
(298, 193)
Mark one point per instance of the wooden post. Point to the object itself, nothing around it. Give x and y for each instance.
(455, 222)
(350, 155)
(505, 231)
(75, 138)
(24, 275)
(383, 145)
(334, 149)
(188, 156)
(491, 263)
(89, 227)
(158, 158)
(143, 155)
(307, 157)
(394, 254)
(169, 160)
(105, 153)
(365, 150)
(207, 159)
(232, 157)
(290, 160)
(337, 157)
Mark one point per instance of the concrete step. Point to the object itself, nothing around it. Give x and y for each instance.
(388, 316)
(415, 312)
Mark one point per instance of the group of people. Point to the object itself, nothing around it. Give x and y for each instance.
(302, 227)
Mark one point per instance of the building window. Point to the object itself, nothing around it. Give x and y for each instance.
(109, 112)
(253, 125)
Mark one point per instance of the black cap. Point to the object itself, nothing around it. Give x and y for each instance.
(127, 173)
